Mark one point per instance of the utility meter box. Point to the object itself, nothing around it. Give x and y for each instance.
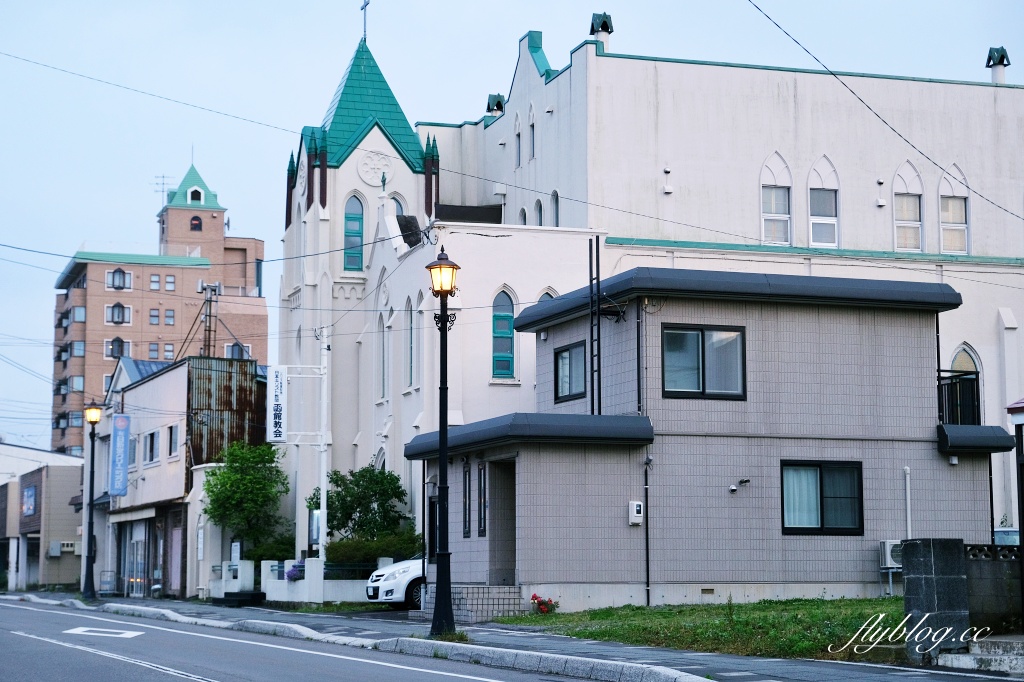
(636, 513)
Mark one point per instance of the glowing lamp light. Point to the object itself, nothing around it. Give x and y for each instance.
(442, 275)
(93, 412)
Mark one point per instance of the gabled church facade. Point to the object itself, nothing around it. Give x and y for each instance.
(672, 163)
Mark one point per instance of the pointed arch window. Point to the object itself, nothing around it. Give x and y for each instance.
(502, 340)
(554, 209)
(522, 216)
(353, 234)
(382, 365)
(906, 205)
(119, 279)
(410, 347)
(823, 190)
(533, 136)
(963, 361)
(399, 210)
(953, 211)
(519, 144)
(776, 181)
(538, 209)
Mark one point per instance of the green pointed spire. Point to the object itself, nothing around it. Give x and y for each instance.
(291, 164)
(433, 151)
(185, 196)
(363, 100)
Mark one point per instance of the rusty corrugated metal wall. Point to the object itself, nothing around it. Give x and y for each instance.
(227, 402)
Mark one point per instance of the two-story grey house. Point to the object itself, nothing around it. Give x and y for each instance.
(755, 436)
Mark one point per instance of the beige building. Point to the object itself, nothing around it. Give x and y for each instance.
(153, 307)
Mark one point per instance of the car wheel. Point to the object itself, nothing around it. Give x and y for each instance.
(413, 598)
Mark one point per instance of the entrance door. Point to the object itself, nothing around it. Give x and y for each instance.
(174, 562)
(501, 526)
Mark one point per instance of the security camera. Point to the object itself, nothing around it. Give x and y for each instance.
(733, 488)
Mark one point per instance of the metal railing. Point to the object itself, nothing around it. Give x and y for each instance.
(959, 397)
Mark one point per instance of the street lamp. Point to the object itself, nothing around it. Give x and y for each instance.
(93, 414)
(442, 284)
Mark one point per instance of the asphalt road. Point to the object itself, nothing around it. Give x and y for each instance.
(56, 644)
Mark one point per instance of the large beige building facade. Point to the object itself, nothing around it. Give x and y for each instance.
(151, 307)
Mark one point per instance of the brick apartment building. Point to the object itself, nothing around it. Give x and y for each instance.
(150, 307)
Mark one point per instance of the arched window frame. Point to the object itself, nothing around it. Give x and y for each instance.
(555, 217)
(522, 216)
(908, 232)
(410, 344)
(382, 360)
(776, 201)
(954, 212)
(118, 313)
(190, 195)
(538, 211)
(503, 342)
(117, 348)
(822, 182)
(396, 201)
(533, 136)
(353, 254)
(518, 143)
(119, 280)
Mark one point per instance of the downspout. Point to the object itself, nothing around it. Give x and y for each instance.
(906, 481)
(647, 459)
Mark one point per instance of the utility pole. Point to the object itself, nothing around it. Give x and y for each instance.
(322, 442)
(211, 291)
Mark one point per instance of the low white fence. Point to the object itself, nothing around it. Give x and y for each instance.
(312, 588)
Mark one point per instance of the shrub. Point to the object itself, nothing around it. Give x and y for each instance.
(277, 548)
(400, 546)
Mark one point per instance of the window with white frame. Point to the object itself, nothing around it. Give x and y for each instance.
(824, 217)
(907, 208)
(117, 348)
(382, 359)
(703, 362)
(118, 279)
(133, 446)
(353, 254)
(410, 345)
(953, 217)
(151, 447)
(822, 498)
(237, 350)
(118, 314)
(775, 214)
(570, 372)
(106, 382)
(172, 441)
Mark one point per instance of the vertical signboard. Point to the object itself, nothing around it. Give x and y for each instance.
(119, 446)
(277, 402)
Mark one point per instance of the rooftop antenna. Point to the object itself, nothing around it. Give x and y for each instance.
(161, 185)
(363, 8)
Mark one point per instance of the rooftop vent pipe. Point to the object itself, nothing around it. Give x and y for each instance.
(997, 60)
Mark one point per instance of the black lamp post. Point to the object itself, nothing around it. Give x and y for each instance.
(442, 284)
(93, 413)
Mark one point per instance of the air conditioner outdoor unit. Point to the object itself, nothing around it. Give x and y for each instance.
(890, 553)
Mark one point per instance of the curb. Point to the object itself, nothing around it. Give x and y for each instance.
(527, 661)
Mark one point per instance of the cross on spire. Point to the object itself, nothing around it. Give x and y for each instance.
(363, 8)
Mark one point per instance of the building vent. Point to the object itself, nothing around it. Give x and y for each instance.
(890, 554)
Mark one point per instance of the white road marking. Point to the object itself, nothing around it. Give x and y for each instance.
(102, 632)
(259, 644)
(736, 674)
(125, 659)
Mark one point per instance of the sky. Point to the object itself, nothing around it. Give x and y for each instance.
(82, 161)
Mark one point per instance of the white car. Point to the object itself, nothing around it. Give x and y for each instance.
(398, 584)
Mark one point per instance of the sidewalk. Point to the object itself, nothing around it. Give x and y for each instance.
(501, 646)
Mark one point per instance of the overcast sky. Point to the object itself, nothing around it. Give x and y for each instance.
(80, 159)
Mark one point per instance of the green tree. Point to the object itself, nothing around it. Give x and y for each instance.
(244, 494)
(362, 503)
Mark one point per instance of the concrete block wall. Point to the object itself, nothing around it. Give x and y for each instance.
(479, 603)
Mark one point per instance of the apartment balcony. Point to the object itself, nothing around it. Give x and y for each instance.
(960, 429)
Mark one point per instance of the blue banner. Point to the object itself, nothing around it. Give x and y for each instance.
(119, 440)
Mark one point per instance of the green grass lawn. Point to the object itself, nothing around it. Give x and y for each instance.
(795, 628)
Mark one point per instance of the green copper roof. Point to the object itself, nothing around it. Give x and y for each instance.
(601, 22)
(179, 198)
(364, 100)
(81, 258)
(997, 57)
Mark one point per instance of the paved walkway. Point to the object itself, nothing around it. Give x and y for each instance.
(526, 648)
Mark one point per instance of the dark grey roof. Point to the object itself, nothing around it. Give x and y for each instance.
(140, 369)
(469, 214)
(743, 286)
(409, 225)
(965, 439)
(536, 427)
